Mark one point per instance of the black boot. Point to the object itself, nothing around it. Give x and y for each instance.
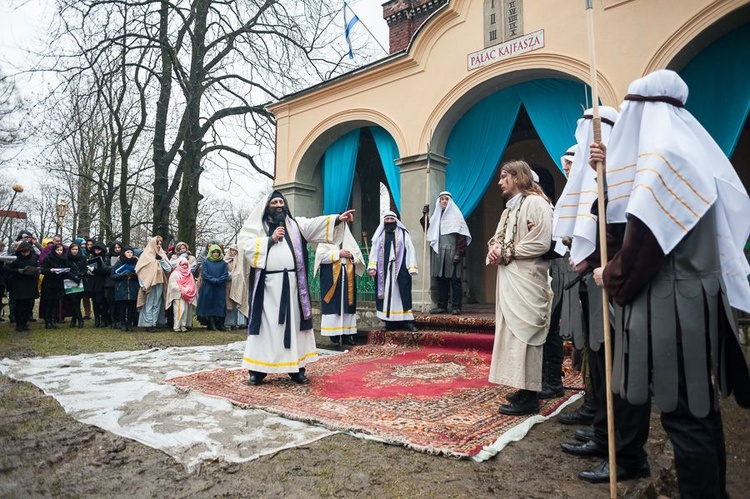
(584, 415)
(97, 321)
(348, 339)
(219, 323)
(210, 324)
(336, 341)
(47, 324)
(299, 377)
(552, 386)
(527, 402)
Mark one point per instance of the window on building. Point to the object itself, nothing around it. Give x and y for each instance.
(492, 18)
(493, 35)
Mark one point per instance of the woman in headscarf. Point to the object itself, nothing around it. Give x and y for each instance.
(212, 298)
(114, 250)
(181, 294)
(236, 291)
(181, 249)
(152, 269)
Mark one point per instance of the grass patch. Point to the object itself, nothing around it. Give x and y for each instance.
(41, 342)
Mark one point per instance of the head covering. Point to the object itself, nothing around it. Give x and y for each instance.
(572, 216)
(185, 280)
(379, 231)
(534, 176)
(23, 233)
(149, 269)
(211, 249)
(664, 168)
(568, 156)
(448, 221)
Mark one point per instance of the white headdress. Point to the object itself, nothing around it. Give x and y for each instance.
(450, 221)
(572, 216)
(664, 168)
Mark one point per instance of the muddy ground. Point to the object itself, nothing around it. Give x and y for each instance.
(46, 453)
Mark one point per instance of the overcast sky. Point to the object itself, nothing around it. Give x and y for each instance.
(23, 28)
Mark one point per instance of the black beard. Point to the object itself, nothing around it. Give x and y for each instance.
(276, 217)
(389, 226)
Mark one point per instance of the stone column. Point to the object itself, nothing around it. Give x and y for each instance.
(414, 183)
(302, 198)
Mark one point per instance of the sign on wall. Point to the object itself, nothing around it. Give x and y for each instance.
(516, 46)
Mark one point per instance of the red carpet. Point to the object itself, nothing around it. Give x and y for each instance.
(427, 391)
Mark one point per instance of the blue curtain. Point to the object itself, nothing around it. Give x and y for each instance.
(388, 152)
(339, 161)
(475, 146)
(554, 107)
(479, 139)
(719, 94)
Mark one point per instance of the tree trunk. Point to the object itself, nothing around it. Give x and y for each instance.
(162, 159)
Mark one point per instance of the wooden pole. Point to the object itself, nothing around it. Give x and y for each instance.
(424, 240)
(604, 257)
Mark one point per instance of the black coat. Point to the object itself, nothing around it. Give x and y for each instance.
(52, 284)
(126, 285)
(98, 270)
(22, 280)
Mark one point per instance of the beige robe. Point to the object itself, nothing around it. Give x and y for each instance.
(523, 302)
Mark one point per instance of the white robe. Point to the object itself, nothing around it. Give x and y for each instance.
(265, 352)
(341, 323)
(523, 303)
(393, 299)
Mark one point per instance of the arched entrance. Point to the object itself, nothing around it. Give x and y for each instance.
(535, 121)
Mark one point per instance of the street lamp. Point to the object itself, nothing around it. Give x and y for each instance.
(62, 210)
(8, 214)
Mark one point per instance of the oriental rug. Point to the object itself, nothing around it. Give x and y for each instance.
(427, 391)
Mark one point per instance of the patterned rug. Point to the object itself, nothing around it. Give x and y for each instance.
(427, 391)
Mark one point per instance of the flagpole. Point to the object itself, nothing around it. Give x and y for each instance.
(346, 4)
(426, 218)
(603, 253)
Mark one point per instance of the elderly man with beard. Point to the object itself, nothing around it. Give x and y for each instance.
(274, 245)
(524, 295)
(393, 263)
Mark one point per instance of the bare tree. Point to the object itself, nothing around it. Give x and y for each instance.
(213, 62)
(10, 123)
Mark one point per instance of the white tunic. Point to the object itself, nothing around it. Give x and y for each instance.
(265, 352)
(523, 298)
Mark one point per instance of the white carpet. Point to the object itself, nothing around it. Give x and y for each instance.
(122, 392)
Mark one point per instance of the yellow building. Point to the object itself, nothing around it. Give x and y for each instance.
(482, 82)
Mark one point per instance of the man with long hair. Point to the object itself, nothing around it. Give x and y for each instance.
(523, 294)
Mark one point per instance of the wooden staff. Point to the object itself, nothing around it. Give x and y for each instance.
(424, 240)
(603, 252)
(364, 240)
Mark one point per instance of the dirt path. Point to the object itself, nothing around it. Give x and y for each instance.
(46, 453)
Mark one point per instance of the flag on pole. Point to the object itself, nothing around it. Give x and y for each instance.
(348, 25)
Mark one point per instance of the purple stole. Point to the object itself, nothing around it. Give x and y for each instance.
(399, 243)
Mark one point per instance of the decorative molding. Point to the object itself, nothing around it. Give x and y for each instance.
(688, 31)
(419, 162)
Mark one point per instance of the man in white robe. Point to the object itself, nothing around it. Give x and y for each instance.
(274, 244)
(523, 295)
(338, 266)
(392, 264)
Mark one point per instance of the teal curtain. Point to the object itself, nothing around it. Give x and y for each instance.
(719, 95)
(388, 152)
(554, 107)
(339, 162)
(475, 146)
(479, 139)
